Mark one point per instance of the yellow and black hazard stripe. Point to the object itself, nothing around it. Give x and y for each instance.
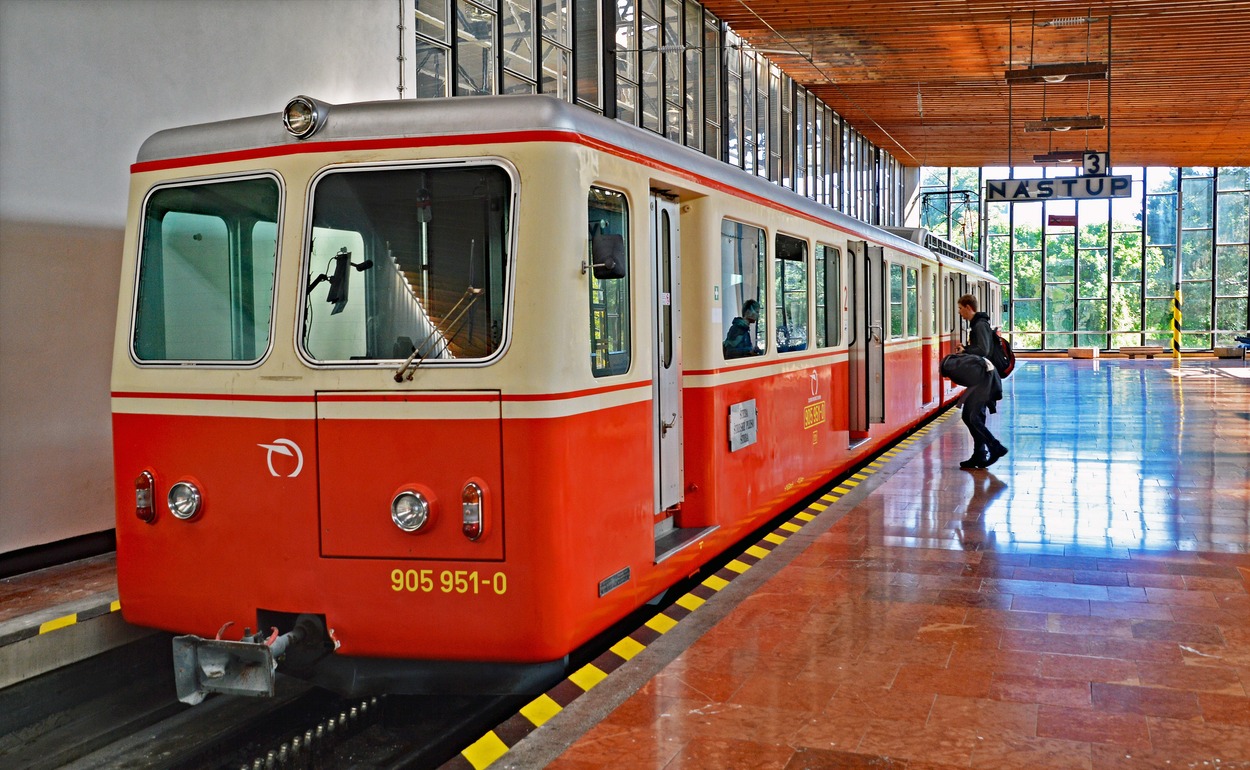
(497, 742)
(55, 624)
(1176, 322)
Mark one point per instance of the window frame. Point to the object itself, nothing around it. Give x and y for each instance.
(627, 326)
(762, 278)
(822, 276)
(898, 320)
(780, 296)
(279, 225)
(509, 266)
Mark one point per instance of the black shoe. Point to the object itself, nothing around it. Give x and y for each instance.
(974, 462)
(995, 455)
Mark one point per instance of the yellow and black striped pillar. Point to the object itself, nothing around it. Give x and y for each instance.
(1176, 322)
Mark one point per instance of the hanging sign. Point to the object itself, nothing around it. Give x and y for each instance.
(1096, 163)
(1061, 220)
(1067, 188)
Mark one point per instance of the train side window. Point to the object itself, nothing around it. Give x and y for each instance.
(407, 262)
(896, 301)
(827, 274)
(913, 302)
(608, 222)
(933, 305)
(206, 272)
(790, 279)
(742, 280)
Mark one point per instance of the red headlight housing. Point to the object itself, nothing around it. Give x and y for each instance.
(145, 497)
(472, 505)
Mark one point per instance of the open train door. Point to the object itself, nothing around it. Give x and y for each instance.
(867, 345)
(669, 475)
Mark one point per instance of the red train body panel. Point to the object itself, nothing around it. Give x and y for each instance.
(507, 492)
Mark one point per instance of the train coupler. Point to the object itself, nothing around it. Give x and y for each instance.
(246, 667)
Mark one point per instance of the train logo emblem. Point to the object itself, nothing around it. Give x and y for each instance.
(287, 448)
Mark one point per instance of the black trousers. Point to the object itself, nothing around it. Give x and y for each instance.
(974, 414)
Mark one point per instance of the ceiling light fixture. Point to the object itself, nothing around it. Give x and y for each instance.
(1060, 156)
(1082, 123)
(1058, 73)
(1070, 21)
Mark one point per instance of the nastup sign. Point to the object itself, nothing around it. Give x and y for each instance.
(1072, 187)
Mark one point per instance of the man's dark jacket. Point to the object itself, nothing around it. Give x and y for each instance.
(980, 336)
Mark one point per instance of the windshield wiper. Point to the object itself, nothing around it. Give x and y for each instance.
(454, 316)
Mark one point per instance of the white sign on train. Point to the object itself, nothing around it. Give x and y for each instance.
(1071, 187)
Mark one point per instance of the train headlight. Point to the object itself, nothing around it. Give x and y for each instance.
(145, 505)
(184, 500)
(303, 116)
(410, 510)
(471, 505)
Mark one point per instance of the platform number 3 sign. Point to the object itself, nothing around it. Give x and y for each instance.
(1095, 163)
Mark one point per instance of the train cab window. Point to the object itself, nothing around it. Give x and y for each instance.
(827, 274)
(896, 301)
(790, 278)
(407, 263)
(608, 222)
(206, 272)
(913, 302)
(742, 290)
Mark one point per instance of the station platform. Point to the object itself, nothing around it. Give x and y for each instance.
(1080, 604)
(56, 616)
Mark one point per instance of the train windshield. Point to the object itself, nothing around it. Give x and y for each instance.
(407, 262)
(206, 272)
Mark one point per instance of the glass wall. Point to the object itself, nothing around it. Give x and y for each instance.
(668, 66)
(1102, 273)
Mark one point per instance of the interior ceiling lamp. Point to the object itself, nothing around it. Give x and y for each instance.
(1058, 73)
(1081, 123)
(1060, 156)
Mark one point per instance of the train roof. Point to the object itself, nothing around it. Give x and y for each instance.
(412, 118)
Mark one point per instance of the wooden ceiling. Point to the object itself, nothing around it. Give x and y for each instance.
(926, 80)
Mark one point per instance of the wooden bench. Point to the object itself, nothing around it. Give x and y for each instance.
(1082, 352)
(1149, 351)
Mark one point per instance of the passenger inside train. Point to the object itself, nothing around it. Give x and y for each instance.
(739, 342)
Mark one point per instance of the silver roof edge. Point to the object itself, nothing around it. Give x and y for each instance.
(484, 114)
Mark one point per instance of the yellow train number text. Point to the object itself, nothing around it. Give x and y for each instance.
(813, 414)
(460, 581)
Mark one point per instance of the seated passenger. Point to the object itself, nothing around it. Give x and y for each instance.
(738, 342)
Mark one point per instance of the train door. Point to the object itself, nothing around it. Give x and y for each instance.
(866, 350)
(666, 413)
(876, 293)
(928, 332)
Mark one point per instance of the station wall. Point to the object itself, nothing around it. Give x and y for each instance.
(82, 84)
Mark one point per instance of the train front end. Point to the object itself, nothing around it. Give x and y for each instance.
(308, 408)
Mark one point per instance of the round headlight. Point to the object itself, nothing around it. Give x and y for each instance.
(184, 500)
(410, 511)
(301, 116)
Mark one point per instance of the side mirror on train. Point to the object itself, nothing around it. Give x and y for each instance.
(608, 257)
(338, 292)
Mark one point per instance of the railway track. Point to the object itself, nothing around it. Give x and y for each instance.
(118, 710)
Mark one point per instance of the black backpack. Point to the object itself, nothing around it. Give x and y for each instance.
(1001, 355)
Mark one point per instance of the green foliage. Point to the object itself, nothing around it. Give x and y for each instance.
(1110, 282)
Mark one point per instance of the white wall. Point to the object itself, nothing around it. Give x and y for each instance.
(82, 84)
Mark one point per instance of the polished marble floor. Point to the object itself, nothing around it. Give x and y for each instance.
(1081, 604)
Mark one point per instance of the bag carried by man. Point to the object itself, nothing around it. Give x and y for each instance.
(1001, 355)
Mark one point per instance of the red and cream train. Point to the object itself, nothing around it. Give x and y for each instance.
(422, 395)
